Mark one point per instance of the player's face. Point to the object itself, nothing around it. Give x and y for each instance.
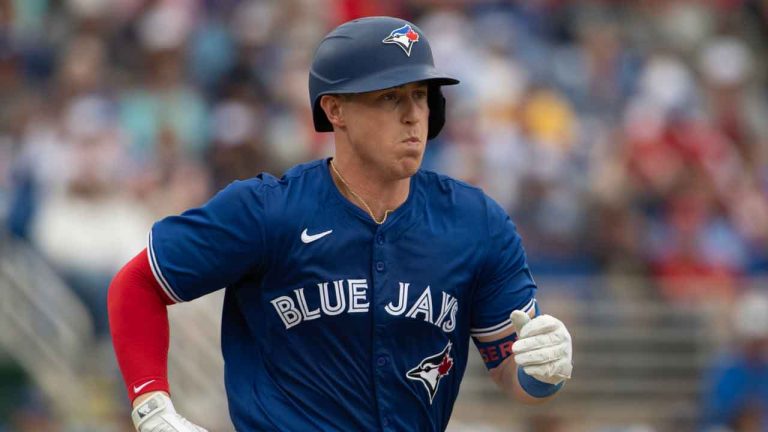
(387, 129)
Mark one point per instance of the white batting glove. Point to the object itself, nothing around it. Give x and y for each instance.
(156, 414)
(543, 347)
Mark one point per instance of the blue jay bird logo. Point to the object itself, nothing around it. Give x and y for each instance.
(432, 369)
(404, 37)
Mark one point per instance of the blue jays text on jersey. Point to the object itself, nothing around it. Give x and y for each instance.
(421, 308)
(332, 322)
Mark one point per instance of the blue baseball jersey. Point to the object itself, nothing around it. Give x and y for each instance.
(332, 322)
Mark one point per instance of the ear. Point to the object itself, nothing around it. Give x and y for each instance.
(332, 106)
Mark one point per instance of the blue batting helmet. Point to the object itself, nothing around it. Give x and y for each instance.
(371, 54)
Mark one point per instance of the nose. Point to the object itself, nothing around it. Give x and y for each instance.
(412, 110)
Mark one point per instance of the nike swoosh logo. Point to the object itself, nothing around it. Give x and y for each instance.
(306, 238)
(137, 389)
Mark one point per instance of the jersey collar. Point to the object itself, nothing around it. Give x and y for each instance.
(394, 218)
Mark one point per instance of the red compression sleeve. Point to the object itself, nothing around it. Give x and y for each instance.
(138, 320)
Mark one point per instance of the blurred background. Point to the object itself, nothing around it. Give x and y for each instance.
(627, 139)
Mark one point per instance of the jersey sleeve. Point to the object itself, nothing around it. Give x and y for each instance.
(505, 283)
(210, 247)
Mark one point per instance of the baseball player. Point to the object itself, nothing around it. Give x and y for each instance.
(353, 284)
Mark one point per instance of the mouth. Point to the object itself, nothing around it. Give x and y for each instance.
(412, 140)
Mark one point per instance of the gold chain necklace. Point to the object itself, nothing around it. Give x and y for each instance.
(365, 204)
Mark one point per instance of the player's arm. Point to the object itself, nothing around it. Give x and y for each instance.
(533, 367)
(140, 333)
(187, 256)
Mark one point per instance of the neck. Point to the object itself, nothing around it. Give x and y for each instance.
(367, 190)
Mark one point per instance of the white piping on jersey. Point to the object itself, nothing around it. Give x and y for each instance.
(502, 326)
(158, 273)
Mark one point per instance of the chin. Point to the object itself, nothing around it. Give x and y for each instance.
(409, 166)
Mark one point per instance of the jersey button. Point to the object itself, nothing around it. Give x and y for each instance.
(381, 361)
(380, 239)
(380, 266)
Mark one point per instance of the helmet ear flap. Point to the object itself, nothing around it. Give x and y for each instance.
(436, 102)
(322, 124)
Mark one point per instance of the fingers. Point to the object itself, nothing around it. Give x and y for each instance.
(542, 355)
(540, 325)
(537, 342)
(551, 373)
(519, 319)
(543, 349)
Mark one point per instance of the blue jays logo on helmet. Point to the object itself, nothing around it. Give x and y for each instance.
(432, 369)
(404, 37)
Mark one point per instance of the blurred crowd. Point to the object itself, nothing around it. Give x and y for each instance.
(622, 137)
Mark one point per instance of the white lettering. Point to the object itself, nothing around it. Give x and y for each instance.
(325, 303)
(422, 305)
(447, 304)
(294, 311)
(402, 301)
(357, 295)
(305, 312)
(450, 325)
(287, 310)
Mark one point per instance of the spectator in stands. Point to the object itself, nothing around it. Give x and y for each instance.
(735, 394)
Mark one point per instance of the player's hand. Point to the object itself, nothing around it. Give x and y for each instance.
(156, 414)
(543, 347)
